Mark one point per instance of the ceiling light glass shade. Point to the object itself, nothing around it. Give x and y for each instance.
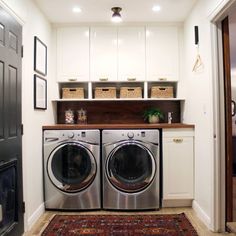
(116, 17)
(76, 9)
(156, 8)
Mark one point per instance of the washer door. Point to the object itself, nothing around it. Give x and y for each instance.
(130, 167)
(71, 167)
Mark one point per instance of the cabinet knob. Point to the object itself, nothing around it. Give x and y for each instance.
(72, 79)
(131, 79)
(178, 140)
(162, 79)
(103, 79)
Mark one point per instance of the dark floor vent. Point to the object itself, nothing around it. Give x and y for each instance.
(8, 197)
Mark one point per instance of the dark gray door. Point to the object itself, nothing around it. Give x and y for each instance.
(11, 190)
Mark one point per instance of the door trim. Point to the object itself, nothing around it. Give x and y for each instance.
(9, 10)
(228, 120)
(218, 214)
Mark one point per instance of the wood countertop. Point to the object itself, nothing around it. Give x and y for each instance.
(117, 126)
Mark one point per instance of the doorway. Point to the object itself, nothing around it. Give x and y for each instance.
(229, 59)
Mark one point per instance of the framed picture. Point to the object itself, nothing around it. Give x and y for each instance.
(40, 93)
(40, 56)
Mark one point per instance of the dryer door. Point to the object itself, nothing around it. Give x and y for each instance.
(130, 167)
(71, 167)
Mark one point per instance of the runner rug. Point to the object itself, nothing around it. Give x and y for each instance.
(122, 225)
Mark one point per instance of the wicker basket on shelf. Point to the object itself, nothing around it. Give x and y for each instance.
(162, 92)
(130, 92)
(73, 93)
(105, 92)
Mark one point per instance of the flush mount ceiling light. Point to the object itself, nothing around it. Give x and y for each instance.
(156, 8)
(116, 17)
(76, 9)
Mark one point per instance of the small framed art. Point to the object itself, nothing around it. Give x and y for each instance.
(40, 56)
(40, 93)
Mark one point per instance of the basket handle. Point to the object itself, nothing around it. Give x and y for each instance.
(105, 90)
(72, 90)
(163, 89)
(130, 89)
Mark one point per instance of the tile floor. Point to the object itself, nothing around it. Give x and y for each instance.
(197, 224)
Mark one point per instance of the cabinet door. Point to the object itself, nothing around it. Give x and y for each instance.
(178, 168)
(103, 51)
(73, 54)
(131, 53)
(162, 51)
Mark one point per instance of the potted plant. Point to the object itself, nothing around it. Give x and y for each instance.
(153, 115)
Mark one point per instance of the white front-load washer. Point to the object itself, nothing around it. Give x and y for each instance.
(131, 169)
(72, 169)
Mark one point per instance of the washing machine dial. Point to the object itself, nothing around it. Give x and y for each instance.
(130, 134)
(70, 135)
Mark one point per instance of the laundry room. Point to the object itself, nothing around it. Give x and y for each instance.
(116, 117)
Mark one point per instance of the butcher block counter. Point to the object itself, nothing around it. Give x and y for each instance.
(118, 126)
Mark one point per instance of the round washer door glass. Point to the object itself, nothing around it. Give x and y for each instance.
(131, 167)
(71, 167)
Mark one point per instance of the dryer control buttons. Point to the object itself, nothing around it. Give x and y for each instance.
(130, 134)
(70, 135)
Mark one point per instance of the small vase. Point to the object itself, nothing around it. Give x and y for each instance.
(153, 119)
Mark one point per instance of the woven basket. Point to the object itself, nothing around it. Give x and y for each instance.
(105, 92)
(130, 92)
(162, 92)
(72, 92)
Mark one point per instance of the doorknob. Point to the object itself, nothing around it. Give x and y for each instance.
(233, 108)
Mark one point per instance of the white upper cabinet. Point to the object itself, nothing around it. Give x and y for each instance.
(162, 53)
(131, 53)
(103, 54)
(73, 54)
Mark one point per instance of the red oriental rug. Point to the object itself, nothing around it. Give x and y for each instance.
(120, 225)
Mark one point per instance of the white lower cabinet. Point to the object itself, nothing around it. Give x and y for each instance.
(178, 165)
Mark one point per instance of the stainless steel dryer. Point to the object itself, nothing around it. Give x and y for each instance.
(72, 169)
(131, 169)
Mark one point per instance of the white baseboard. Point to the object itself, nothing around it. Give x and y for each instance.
(177, 202)
(35, 216)
(202, 214)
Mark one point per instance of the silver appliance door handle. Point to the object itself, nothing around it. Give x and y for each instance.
(51, 139)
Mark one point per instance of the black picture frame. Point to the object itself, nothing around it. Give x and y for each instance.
(40, 93)
(40, 56)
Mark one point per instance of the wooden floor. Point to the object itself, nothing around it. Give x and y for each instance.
(197, 224)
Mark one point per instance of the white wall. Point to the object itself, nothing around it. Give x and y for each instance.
(35, 24)
(199, 105)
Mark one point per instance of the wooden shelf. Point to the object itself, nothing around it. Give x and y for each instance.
(118, 99)
(119, 126)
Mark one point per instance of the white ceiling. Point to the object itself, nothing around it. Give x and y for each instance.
(60, 11)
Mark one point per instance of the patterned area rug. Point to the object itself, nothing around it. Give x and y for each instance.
(120, 225)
